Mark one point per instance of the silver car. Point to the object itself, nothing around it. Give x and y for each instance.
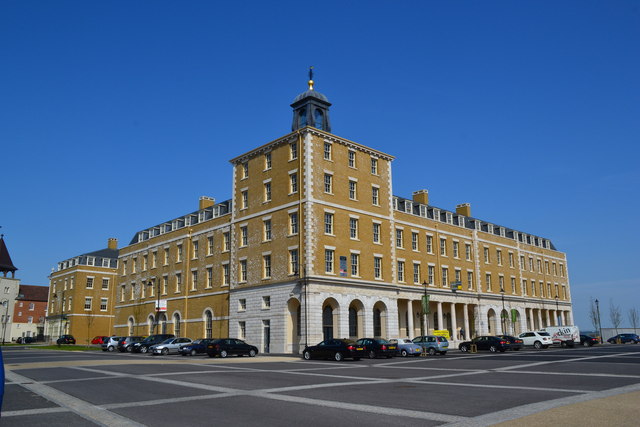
(433, 344)
(406, 347)
(110, 343)
(171, 345)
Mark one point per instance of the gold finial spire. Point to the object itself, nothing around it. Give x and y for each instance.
(311, 78)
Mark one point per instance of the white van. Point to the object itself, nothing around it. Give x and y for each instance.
(565, 336)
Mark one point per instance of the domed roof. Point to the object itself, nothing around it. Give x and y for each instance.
(310, 93)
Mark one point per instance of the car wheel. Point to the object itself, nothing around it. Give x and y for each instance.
(110, 348)
(537, 345)
(586, 344)
(404, 353)
(306, 355)
(493, 349)
(193, 352)
(165, 351)
(372, 354)
(223, 353)
(464, 348)
(129, 349)
(252, 353)
(143, 349)
(338, 357)
(432, 351)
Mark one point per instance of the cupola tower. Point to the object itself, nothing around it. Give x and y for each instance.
(311, 108)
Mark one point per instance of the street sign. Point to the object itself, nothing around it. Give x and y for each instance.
(163, 305)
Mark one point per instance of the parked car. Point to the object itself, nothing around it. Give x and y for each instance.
(486, 342)
(66, 339)
(375, 347)
(25, 340)
(143, 346)
(538, 339)
(624, 338)
(224, 347)
(588, 341)
(125, 343)
(432, 344)
(515, 343)
(195, 347)
(168, 346)
(99, 339)
(564, 336)
(406, 347)
(337, 349)
(110, 344)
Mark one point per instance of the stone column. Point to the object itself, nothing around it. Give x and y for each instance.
(465, 317)
(440, 315)
(454, 322)
(410, 330)
(548, 318)
(539, 319)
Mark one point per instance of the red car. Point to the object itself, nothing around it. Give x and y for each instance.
(98, 340)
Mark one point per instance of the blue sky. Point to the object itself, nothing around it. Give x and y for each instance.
(115, 116)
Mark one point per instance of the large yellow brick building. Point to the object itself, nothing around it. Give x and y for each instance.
(313, 244)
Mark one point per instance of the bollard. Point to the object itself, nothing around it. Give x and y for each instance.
(474, 348)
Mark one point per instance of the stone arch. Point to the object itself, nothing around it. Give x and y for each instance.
(151, 320)
(130, 326)
(356, 319)
(492, 322)
(293, 325)
(207, 322)
(176, 319)
(330, 318)
(380, 317)
(162, 323)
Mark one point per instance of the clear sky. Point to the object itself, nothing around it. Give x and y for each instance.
(116, 116)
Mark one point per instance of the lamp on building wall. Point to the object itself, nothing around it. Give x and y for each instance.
(502, 315)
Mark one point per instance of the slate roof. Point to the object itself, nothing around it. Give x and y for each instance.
(34, 293)
(6, 264)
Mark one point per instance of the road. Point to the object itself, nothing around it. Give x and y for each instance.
(51, 388)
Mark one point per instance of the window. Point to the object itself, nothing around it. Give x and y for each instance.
(327, 151)
(124, 267)
(293, 223)
(293, 183)
(245, 170)
(267, 161)
(244, 204)
(539, 263)
(328, 260)
(267, 230)
(430, 274)
(105, 283)
(32, 306)
(194, 249)
(416, 273)
(89, 282)
(179, 258)
(522, 263)
(377, 267)
(511, 259)
(487, 280)
(226, 241)
(266, 302)
(400, 271)
(210, 245)
(242, 304)
(486, 255)
(328, 223)
(561, 270)
(178, 282)
(533, 288)
(513, 285)
(501, 283)
(429, 244)
(154, 259)
(414, 241)
(524, 287)
(399, 238)
(209, 277)
(530, 264)
(470, 280)
(242, 330)
(293, 151)
(165, 285)
(352, 159)
(267, 192)
(103, 304)
(445, 276)
(87, 303)
(353, 228)
(293, 261)
(456, 249)
(443, 247)
(546, 267)
(375, 196)
(376, 233)
(145, 260)
(225, 274)
(353, 190)
(328, 183)
(355, 265)
(266, 266)
(166, 256)
(374, 166)
(555, 269)
(243, 270)
(499, 256)
(29, 320)
(244, 236)
(194, 280)
(457, 276)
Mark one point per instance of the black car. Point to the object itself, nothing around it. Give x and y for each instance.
(514, 342)
(486, 342)
(624, 338)
(337, 349)
(224, 347)
(143, 346)
(588, 341)
(374, 347)
(66, 339)
(195, 347)
(126, 343)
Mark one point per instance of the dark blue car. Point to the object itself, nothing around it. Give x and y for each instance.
(195, 347)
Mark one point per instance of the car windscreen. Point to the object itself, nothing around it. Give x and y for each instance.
(167, 341)
(544, 334)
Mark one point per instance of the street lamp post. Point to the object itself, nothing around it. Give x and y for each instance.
(502, 315)
(599, 323)
(5, 302)
(558, 317)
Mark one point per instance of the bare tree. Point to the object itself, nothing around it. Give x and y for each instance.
(90, 321)
(593, 315)
(615, 315)
(137, 307)
(633, 319)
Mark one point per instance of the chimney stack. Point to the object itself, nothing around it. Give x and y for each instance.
(206, 202)
(112, 243)
(463, 209)
(421, 196)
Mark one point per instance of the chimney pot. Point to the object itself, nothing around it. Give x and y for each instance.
(421, 196)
